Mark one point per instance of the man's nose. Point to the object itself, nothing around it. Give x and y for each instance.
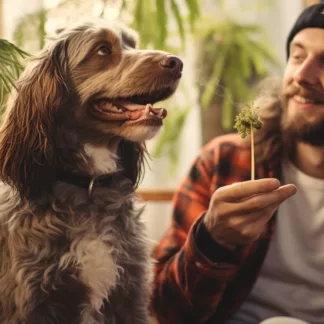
(307, 73)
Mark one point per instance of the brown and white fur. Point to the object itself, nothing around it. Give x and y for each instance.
(70, 256)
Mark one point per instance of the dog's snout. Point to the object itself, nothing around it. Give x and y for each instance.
(173, 64)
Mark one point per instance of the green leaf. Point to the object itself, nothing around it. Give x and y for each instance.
(244, 62)
(42, 15)
(161, 18)
(257, 62)
(218, 68)
(227, 110)
(265, 51)
(6, 82)
(234, 80)
(10, 67)
(176, 13)
(123, 5)
(169, 140)
(138, 15)
(194, 12)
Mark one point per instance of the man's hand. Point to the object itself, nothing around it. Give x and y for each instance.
(239, 213)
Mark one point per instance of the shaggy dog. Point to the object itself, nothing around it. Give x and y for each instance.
(72, 147)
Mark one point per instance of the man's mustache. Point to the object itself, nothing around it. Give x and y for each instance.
(307, 92)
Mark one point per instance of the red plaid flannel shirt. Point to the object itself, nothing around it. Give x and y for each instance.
(189, 287)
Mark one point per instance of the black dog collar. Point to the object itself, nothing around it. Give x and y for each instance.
(88, 182)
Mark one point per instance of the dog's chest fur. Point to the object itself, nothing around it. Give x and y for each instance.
(111, 258)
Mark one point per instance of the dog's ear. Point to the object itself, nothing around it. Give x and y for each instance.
(27, 149)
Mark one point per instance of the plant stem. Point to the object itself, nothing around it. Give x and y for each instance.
(252, 154)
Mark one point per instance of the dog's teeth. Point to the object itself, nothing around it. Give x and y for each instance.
(109, 107)
(98, 107)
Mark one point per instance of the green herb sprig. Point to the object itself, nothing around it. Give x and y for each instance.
(247, 120)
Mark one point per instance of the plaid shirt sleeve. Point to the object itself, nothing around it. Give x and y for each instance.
(188, 285)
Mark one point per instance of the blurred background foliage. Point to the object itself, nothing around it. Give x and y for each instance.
(235, 56)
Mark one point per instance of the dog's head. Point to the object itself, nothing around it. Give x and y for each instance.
(115, 83)
(90, 78)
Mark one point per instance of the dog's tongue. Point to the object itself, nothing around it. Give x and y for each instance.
(136, 111)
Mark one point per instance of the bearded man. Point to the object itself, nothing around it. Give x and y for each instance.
(239, 251)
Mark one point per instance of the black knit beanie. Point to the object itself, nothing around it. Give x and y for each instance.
(311, 17)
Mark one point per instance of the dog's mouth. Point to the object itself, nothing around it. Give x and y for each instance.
(132, 109)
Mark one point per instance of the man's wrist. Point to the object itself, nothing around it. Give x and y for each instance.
(212, 249)
(209, 226)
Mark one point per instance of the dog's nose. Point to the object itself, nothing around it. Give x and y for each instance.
(173, 63)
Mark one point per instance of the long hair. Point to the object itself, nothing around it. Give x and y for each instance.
(27, 149)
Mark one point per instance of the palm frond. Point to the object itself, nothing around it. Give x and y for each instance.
(10, 66)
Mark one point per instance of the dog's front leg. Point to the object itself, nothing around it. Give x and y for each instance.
(41, 291)
(140, 315)
(139, 309)
(62, 305)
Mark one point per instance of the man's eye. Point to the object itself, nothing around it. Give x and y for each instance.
(104, 50)
(297, 58)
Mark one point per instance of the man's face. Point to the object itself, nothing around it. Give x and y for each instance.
(303, 87)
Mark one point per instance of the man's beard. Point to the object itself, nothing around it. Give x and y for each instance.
(299, 128)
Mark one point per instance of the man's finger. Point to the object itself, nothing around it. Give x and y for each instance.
(243, 190)
(262, 201)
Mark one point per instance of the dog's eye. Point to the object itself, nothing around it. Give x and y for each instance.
(104, 50)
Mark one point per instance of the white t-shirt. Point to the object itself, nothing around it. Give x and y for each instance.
(291, 281)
